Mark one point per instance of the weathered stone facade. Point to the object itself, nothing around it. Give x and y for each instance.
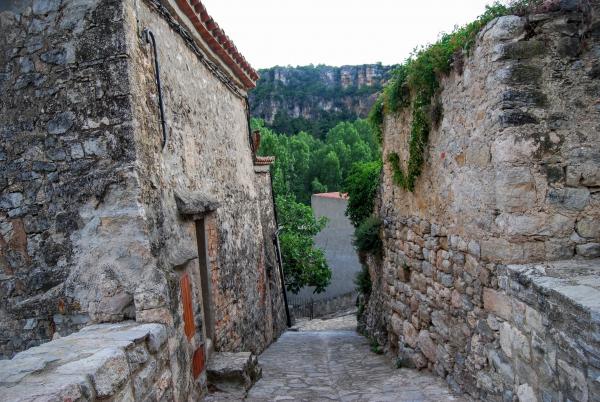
(511, 176)
(99, 222)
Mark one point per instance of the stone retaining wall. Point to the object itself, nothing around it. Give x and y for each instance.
(120, 362)
(511, 176)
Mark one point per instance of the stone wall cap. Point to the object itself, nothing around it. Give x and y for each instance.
(62, 369)
(195, 202)
(577, 280)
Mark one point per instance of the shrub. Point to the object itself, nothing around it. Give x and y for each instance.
(376, 117)
(303, 263)
(375, 346)
(363, 281)
(361, 185)
(415, 83)
(366, 236)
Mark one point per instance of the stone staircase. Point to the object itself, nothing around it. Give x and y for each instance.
(231, 375)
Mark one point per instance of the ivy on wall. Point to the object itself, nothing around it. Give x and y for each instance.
(415, 83)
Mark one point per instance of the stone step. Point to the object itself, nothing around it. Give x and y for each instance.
(232, 373)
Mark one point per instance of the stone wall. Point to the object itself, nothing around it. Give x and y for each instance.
(269, 223)
(511, 176)
(66, 164)
(98, 221)
(207, 151)
(118, 362)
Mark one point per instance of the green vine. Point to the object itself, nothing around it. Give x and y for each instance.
(415, 83)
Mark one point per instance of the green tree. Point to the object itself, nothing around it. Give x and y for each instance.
(361, 186)
(304, 265)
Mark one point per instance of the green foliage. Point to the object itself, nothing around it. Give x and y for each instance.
(376, 117)
(397, 92)
(375, 346)
(363, 281)
(366, 236)
(361, 185)
(305, 165)
(415, 83)
(304, 265)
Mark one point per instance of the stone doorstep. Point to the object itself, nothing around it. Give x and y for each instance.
(233, 373)
(90, 362)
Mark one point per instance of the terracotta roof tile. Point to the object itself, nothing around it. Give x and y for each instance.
(219, 42)
(264, 160)
(336, 194)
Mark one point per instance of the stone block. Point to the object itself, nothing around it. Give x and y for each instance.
(542, 224)
(144, 379)
(108, 370)
(505, 28)
(137, 356)
(498, 303)
(517, 74)
(526, 394)
(588, 250)
(446, 279)
(427, 345)
(573, 381)
(397, 324)
(518, 50)
(61, 123)
(514, 98)
(515, 189)
(533, 319)
(43, 7)
(233, 372)
(501, 365)
(589, 227)
(474, 249)
(506, 339)
(586, 173)
(500, 250)
(570, 198)
(410, 334)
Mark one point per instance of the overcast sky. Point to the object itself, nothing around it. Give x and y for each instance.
(336, 32)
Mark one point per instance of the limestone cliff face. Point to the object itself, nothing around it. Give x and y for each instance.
(490, 265)
(321, 92)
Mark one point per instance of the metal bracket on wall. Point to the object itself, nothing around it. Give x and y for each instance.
(149, 38)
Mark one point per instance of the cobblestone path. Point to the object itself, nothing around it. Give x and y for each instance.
(331, 362)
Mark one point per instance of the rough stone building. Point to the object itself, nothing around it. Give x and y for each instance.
(129, 191)
(490, 275)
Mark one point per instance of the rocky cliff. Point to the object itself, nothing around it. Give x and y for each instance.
(315, 98)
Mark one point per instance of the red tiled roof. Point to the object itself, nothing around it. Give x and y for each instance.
(264, 160)
(219, 42)
(337, 194)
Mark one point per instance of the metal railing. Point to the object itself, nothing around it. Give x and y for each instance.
(308, 307)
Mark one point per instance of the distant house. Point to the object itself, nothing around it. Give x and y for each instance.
(336, 240)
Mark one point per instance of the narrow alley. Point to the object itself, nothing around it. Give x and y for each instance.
(326, 360)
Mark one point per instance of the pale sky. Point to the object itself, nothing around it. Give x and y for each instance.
(336, 32)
